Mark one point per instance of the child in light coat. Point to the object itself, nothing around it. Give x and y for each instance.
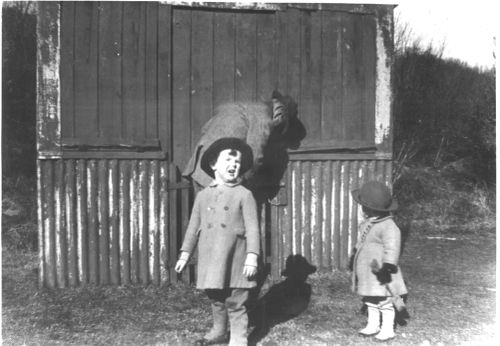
(375, 272)
(225, 227)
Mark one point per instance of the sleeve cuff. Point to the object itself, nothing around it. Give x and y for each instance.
(184, 256)
(251, 259)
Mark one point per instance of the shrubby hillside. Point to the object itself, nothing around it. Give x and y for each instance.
(444, 142)
(444, 113)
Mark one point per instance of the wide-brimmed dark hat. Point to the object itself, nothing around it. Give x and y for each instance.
(376, 196)
(212, 152)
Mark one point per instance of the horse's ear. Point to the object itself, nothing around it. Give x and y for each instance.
(280, 112)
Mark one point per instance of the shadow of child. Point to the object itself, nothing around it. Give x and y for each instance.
(284, 300)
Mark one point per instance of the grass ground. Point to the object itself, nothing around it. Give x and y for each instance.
(449, 267)
(451, 302)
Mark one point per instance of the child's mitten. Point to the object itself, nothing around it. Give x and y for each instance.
(384, 274)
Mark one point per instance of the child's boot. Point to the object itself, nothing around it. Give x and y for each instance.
(387, 329)
(373, 325)
(238, 317)
(218, 334)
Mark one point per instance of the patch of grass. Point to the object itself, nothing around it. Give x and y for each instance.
(445, 202)
(94, 315)
(451, 302)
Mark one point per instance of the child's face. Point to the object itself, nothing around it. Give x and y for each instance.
(227, 167)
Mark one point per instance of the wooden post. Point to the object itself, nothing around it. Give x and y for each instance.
(48, 121)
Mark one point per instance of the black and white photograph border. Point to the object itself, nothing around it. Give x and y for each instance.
(372, 129)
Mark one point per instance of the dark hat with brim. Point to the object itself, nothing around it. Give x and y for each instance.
(212, 152)
(376, 196)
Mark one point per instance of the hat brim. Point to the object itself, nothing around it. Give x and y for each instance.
(212, 152)
(356, 194)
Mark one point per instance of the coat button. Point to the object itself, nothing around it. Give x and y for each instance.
(223, 225)
(226, 208)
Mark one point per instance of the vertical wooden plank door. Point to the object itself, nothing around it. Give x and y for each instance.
(218, 56)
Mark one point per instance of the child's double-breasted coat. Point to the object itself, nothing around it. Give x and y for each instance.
(379, 242)
(225, 226)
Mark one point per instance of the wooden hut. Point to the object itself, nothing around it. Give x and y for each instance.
(124, 88)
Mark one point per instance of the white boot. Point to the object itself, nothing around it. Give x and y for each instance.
(387, 329)
(372, 327)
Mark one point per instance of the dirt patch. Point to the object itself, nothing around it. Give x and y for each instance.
(451, 302)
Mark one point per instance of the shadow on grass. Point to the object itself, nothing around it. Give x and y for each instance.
(284, 300)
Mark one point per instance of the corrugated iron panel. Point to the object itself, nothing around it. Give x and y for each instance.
(320, 218)
(106, 222)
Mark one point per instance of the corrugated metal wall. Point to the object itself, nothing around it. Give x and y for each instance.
(121, 222)
(109, 222)
(318, 217)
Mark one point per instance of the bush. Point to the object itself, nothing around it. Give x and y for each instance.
(18, 89)
(444, 111)
(443, 200)
(19, 213)
(21, 236)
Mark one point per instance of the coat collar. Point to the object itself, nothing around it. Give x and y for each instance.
(377, 220)
(365, 228)
(215, 184)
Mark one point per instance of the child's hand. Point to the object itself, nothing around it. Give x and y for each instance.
(181, 263)
(250, 267)
(249, 271)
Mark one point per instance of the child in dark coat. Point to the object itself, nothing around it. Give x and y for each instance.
(225, 227)
(375, 272)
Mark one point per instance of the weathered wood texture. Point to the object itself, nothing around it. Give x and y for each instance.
(115, 68)
(48, 80)
(115, 73)
(219, 56)
(328, 67)
(325, 60)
